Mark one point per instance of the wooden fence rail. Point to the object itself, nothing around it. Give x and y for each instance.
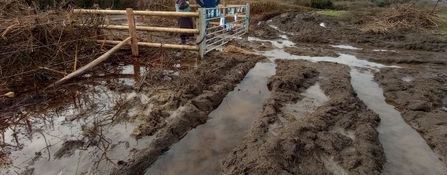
(133, 28)
(200, 16)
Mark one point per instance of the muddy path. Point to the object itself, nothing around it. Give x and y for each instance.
(309, 27)
(420, 95)
(112, 115)
(209, 92)
(328, 100)
(417, 89)
(338, 137)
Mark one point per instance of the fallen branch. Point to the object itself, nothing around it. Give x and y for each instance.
(91, 64)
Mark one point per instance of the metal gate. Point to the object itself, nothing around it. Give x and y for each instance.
(220, 25)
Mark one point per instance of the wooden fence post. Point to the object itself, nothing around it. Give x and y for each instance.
(132, 32)
(197, 21)
(108, 17)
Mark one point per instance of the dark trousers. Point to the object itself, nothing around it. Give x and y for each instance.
(183, 38)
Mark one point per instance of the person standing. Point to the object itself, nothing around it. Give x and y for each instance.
(184, 22)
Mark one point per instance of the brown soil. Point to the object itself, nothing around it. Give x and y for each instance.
(306, 29)
(420, 101)
(305, 145)
(200, 92)
(310, 50)
(340, 135)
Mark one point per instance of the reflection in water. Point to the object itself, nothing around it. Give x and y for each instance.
(201, 150)
(91, 117)
(346, 59)
(346, 47)
(406, 151)
(314, 97)
(444, 103)
(407, 78)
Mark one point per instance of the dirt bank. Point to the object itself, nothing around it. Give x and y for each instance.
(339, 137)
(201, 91)
(420, 95)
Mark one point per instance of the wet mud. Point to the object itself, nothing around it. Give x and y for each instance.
(339, 136)
(321, 113)
(201, 92)
(201, 150)
(305, 27)
(406, 151)
(419, 94)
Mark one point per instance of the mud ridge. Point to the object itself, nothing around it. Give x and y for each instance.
(195, 111)
(421, 97)
(317, 143)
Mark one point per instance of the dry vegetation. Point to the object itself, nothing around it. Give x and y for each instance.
(38, 46)
(402, 17)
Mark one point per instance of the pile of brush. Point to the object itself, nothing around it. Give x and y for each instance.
(41, 40)
(401, 17)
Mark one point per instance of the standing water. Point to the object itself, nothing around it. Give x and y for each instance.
(79, 137)
(406, 151)
(201, 149)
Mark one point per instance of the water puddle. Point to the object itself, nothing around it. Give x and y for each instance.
(88, 133)
(283, 32)
(407, 78)
(346, 59)
(406, 151)
(201, 150)
(346, 47)
(444, 104)
(314, 97)
(383, 50)
(278, 43)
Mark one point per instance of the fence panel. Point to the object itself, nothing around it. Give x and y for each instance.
(221, 24)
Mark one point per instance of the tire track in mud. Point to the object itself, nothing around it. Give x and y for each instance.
(421, 96)
(195, 112)
(318, 143)
(406, 151)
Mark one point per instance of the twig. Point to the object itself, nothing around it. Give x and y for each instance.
(435, 7)
(52, 70)
(79, 160)
(47, 146)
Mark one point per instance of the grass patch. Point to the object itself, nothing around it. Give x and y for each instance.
(334, 13)
(442, 15)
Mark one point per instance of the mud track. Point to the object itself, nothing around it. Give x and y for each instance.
(211, 87)
(340, 136)
(420, 94)
(306, 28)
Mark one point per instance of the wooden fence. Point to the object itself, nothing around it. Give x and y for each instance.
(200, 16)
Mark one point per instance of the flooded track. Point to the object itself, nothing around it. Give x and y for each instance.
(201, 150)
(406, 151)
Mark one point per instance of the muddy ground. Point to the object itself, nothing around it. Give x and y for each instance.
(417, 88)
(172, 94)
(340, 132)
(420, 94)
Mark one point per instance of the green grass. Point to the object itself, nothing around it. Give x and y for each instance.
(333, 13)
(443, 21)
